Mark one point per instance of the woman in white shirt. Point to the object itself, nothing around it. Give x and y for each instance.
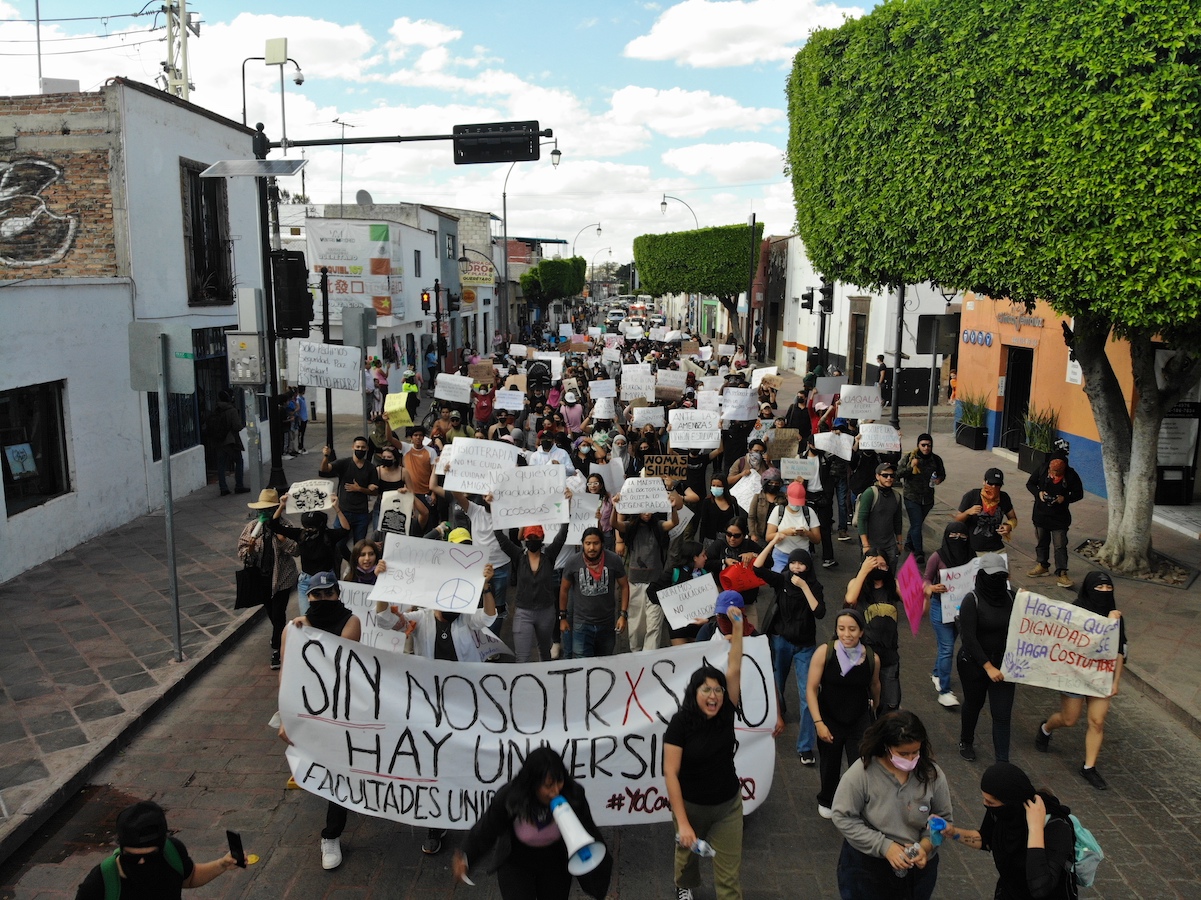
(796, 522)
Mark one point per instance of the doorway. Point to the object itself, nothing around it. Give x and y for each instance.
(855, 354)
(1019, 370)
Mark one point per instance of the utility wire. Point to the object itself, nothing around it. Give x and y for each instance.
(82, 37)
(90, 49)
(86, 18)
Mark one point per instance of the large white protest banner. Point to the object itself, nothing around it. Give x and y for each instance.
(694, 429)
(639, 495)
(514, 400)
(602, 389)
(637, 383)
(583, 515)
(395, 511)
(762, 372)
(803, 467)
(648, 415)
(314, 495)
(432, 574)
(454, 388)
(1056, 645)
(428, 742)
(603, 409)
(841, 445)
(960, 581)
(477, 464)
(688, 600)
(876, 436)
(859, 401)
(739, 404)
(529, 495)
(329, 366)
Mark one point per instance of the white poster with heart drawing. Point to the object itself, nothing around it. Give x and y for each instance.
(431, 574)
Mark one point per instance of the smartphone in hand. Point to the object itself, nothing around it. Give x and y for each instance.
(235, 848)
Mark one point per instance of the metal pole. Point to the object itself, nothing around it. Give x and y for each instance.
(895, 421)
(439, 340)
(277, 478)
(37, 16)
(504, 215)
(933, 376)
(283, 118)
(750, 291)
(329, 394)
(164, 443)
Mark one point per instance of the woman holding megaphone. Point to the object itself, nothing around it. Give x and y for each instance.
(542, 832)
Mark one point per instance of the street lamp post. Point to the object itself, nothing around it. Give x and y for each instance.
(663, 209)
(581, 231)
(555, 156)
(594, 256)
(298, 78)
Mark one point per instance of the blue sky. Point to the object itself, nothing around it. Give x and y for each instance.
(645, 98)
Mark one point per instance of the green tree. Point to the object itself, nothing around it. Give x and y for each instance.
(714, 261)
(553, 279)
(1024, 150)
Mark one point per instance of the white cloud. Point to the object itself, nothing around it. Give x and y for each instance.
(681, 113)
(741, 161)
(712, 33)
(407, 33)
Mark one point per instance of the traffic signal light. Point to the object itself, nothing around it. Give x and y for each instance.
(480, 143)
(827, 296)
(425, 301)
(807, 299)
(293, 300)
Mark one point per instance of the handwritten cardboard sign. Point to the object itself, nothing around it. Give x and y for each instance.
(960, 581)
(827, 389)
(529, 495)
(804, 468)
(519, 351)
(614, 340)
(710, 400)
(782, 443)
(859, 401)
(695, 429)
(712, 382)
(1056, 645)
(329, 366)
(453, 388)
(840, 445)
(582, 515)
(671, 467)
(739, 405)
(396, 411)
(760, 373)
(516, 383)
(556, 363)
(432, 574)
(648, 415)
(511, 400)
(637, 383)
(603, 388)
(579, 347)
(611, 355)
(315, 495)
(748, 486)
(639, 495)
(603, 409)
(690, 348)
(594, 331)
(565, 330)
(879, 437)
(612, 474)
(477, 464)
(395, 511)
(725, 349)
(482, 373)
(689, 600)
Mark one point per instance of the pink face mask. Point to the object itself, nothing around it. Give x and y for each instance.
(903, 764)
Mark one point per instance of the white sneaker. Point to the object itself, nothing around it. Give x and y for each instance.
(948, 699)
(937, 684)
(825, 812)
(683, 893)
(331, 853)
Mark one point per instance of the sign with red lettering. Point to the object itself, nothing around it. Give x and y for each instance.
(1059, 646)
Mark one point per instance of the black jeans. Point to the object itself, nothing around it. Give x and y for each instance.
(977, 686)
(335, 820)
(535, 873)
(829, 756)
(277, 612)
(825, 518)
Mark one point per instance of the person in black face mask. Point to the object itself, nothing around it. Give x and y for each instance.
(1033, 855)
(147, 862)
(984, 627)
(318, 545)
(537, 590)
(357, 481)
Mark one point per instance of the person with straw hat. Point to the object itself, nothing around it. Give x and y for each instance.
(274, 555)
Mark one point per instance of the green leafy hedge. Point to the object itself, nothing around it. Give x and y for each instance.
(714, 261)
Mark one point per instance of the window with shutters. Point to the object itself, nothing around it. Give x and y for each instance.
(208, 252)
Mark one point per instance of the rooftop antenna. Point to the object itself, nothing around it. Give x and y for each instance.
(342, 164)
(175, 69)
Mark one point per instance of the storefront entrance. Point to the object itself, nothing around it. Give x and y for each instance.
(1019, 369)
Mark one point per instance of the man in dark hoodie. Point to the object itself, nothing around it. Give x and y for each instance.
(1054, 487)
(223, 429)
(790, 623)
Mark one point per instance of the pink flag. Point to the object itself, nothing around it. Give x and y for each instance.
(909, 583)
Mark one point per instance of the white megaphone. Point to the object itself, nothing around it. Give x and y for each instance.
(583, 853)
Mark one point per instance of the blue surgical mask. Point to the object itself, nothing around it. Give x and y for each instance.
(717, 491)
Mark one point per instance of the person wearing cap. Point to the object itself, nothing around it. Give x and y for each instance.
(797, 524)
(457, 429)
(318, 543)
(357, 482)
(483, 535)
(984, 626)
(1097, 597)
(988, 513)
(919, 471)
(535, 599)
(147, 862)
(223, 430)
(1055, 486)
(327, 613)
(880, 517)
(273, 554)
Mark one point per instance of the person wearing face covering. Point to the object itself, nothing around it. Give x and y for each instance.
(754, 461)
(1096, 596)
(988, 513)
(954, 552)
(790, 622)
(797, 524)
(873, 591)
(1054, 488)
(536, 596)
(1034, 856)
(149, 863)
(272, 553)
(984, 626)
(327, 613)
(882, 809)
(919, 471)
(318, 544)
(357, 482)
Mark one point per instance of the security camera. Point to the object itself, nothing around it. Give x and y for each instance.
(298, 77)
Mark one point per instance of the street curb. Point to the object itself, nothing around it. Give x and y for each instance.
(58, 795)
(1180, 714)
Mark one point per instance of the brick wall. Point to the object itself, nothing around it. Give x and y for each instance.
(56, 159)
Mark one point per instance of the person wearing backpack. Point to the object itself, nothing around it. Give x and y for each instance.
(879, 517)
(1029, 833)
(223, 431)
(148, 863)
(873, 591)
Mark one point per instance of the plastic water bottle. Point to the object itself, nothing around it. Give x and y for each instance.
(700, 848)
(911, 852)
(938, 827)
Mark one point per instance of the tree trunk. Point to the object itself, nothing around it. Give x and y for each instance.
(1105, 396)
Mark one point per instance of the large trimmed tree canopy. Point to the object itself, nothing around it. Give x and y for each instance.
(553, 279)
(1024, 150)
(715, 261)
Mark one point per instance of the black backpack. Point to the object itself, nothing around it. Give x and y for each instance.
(881, 633)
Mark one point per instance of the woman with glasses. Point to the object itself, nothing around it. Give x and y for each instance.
(698, 766)
(734, 547)
(882, 809)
